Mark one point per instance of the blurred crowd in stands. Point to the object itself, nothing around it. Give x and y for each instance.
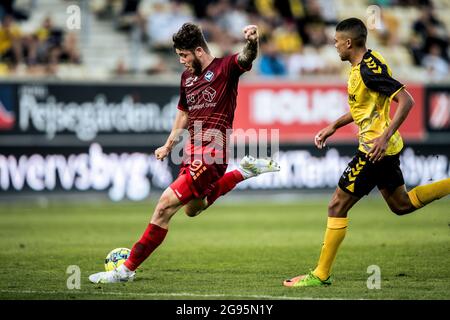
(296, 36)
(38, 52)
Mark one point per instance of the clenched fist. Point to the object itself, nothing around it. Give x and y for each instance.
(162, 152)
(251, 33)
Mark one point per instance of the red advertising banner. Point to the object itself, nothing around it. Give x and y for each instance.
(300, 110)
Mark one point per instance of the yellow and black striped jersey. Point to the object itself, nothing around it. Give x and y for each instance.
(370, 91)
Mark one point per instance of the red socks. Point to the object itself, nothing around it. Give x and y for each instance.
(154, 235)
(224, 185)
(150, 240)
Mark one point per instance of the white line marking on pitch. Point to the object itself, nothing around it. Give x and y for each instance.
(163, 294)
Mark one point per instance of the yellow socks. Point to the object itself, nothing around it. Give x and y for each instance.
(423, 195)
(336, 229)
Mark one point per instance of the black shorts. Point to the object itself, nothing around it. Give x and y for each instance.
(361, 175)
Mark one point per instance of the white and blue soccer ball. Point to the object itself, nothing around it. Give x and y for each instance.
(116, 258)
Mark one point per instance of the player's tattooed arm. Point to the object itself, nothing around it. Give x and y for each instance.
(250, 50)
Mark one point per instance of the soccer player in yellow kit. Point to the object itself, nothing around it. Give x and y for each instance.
(376, 163)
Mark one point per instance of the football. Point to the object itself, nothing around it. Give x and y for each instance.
(116, 257)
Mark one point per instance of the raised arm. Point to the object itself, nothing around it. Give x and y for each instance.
(250, 50)
(322, 136)
(180, 123)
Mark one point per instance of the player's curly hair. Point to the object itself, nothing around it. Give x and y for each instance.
(355, 28)
(189, 37)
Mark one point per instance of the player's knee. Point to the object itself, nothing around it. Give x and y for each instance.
(334, 208)
(163, 206)
(159, 213)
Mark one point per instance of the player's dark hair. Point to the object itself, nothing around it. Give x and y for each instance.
(189, 37)
(356, 29)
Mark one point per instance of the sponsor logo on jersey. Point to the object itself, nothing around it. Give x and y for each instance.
(190, 98)
(209, 94)
(354, 80)
(190, 81)
(209, 75)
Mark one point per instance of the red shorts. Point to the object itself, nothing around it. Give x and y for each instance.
(196, 180)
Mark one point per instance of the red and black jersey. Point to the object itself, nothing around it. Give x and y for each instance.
(210, 100)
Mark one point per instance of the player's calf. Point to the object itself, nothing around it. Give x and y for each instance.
(402, 210)
(398, 200)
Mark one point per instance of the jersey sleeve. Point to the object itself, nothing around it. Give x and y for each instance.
(376, 77)
(233, 67)
(182, 102)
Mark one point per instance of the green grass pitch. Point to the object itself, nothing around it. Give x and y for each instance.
(240, 250)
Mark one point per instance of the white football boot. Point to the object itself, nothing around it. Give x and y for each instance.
(251, 167)
(121, 274)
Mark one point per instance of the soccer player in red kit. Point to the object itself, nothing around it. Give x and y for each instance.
(208, 92)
